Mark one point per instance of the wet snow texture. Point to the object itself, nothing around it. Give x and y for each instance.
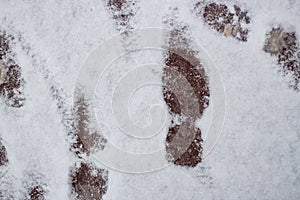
(256, 156)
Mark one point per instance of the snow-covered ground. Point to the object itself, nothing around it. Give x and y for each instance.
(256, 156)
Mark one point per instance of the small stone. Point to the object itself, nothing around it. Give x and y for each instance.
(275, 41)
(228, 30)
(3, 72)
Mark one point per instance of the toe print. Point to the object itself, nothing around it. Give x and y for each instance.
(285, 46)
(222, 19)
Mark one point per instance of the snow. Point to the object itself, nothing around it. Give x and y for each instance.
(257, 155)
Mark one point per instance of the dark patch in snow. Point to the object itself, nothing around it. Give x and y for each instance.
(182, 59)
(37, 193)
(88, 182)
(86, 140)
(76, 120)
(122, 12)
(86, 178)
(219, 17)
(3, 155)
(34, 184)
(286, 47)
(11, 83)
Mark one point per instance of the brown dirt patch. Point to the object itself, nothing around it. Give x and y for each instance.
(10, 74)
(3, 155)
(219, 17)
(122, 12)
(88, 182)
(86, 140)
(34, 183)
(286, 47)
(85, 178)
(186, 98)
(76, 120)
(37, 193)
